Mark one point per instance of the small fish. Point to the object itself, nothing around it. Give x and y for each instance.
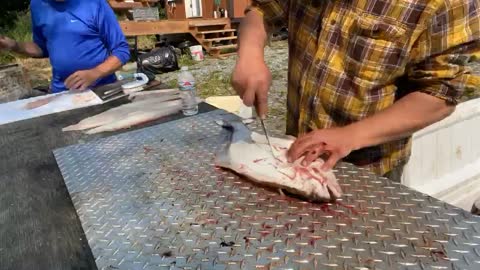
(247, 153)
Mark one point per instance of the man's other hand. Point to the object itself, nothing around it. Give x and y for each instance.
(337, 143)
(82, 79)
(7, 43)
(251, 79)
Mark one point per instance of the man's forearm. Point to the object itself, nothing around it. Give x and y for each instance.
(252, 36)
(109, 66)
(406, 116)
(29, 49)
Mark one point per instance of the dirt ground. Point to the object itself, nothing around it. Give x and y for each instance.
(213, 78)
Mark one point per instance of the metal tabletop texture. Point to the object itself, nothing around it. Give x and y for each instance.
(153, 199)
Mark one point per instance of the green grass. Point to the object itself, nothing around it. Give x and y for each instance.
(173, 83)
(20, 31)
(216, 84)
(186, 60)
(146, 42)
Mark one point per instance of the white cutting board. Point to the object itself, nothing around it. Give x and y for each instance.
(64, 101)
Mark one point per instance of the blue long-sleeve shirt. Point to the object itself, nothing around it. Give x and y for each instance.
(77, 35)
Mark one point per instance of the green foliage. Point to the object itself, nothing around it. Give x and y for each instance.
(186, 60)
(162, 13)
(21, 30)
(8, 12)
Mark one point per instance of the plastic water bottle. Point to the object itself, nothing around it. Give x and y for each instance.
(186, 84)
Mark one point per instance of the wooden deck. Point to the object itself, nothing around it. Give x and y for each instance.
(165, 27)
(215, 35)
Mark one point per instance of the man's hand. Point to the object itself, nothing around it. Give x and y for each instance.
(336, 142)
(409, 114)
(82, 79)
(251, 79)
(7, 43)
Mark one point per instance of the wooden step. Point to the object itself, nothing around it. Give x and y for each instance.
(206, 23)
(217, 31)
(219, 39)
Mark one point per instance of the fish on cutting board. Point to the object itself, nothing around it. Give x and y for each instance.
(247, 153)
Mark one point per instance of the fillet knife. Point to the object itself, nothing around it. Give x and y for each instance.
(266, 136)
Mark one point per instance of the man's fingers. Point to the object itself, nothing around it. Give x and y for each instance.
(78, 84)
(299, 147)
(312, 155)
(238, 87)
(83, 87)
(331, 161)
(71, 80)
(261, 100)
(75, 83)
(249, 95)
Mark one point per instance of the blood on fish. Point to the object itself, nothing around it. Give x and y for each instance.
(258, 160)
(290, 177)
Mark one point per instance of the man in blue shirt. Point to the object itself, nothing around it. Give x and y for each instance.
(82, 38)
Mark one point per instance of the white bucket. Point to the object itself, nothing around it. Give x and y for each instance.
(196, 52)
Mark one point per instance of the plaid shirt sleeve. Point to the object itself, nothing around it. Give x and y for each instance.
(274, 12)
(443, 51)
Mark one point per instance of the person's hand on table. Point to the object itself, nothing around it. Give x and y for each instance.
(7, 43)
(82, 79)
(337, 143)
(251, 79)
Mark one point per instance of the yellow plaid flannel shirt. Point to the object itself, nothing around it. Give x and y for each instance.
(351, 59)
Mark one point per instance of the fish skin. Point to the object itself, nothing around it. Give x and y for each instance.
(248, 154)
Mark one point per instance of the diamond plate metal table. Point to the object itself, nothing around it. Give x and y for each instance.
(152, 199)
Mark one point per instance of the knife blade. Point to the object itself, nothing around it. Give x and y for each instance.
(266, 136)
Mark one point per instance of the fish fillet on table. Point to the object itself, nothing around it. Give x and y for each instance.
(137, 118)
(130, 114)
(144, 95)
(248, 154)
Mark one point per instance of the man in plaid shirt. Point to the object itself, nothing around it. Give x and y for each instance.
(364, 75)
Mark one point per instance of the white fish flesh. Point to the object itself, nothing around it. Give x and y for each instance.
(144, 95)
(130, 114)
(137, 118)
(248, 154)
